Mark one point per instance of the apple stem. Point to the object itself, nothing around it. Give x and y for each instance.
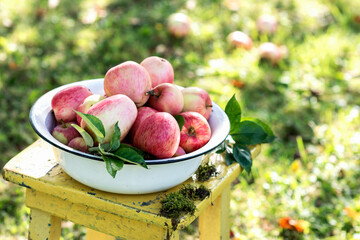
(153, 93)
(191, 131)
(209, 105)
(63, 123)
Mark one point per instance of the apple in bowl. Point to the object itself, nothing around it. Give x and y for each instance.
(90, 169)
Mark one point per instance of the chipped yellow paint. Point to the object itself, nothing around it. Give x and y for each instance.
(36, 169)
(95, 235)
(216, 215)
(43, 226)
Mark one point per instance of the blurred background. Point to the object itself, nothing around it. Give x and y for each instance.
(304, 82)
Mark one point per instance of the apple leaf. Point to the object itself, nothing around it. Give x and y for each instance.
(112, 164)
(270, 135)
(115, 138)
(87, 138)
(229, 157)
(249, 133)
(180, 120)
(126, 155)
(131, 156)
(242, 155)
(94, 124)
(233, 111)
(140, 152)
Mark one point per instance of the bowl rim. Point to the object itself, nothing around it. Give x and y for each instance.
(67, 149)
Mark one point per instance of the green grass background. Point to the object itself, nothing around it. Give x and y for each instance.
(311, 98)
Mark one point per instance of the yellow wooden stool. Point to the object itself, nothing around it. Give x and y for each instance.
(52, 196)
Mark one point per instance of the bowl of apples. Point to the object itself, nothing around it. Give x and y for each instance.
(133, 131)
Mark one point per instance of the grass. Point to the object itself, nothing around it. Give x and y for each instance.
(303, 186)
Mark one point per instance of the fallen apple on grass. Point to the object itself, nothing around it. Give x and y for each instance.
(267, 24)
(240, 39)
(179, 25)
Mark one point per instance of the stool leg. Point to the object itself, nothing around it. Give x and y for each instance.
(214, 222)
(44, 226)
(95, 235)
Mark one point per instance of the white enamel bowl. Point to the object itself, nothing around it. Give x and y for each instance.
(132, 179)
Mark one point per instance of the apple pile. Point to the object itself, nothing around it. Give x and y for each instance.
(152, 113)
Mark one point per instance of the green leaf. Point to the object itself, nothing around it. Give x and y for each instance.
(233, 111)
(242, 155)
(131, 156)
(270, 135)
(112, 164)
(115, 138)
(180, 120)
(94, 124)
(249, 133)
(229, 156)
(87, 138)
(140, 152)
(221, 148)
(125, 154)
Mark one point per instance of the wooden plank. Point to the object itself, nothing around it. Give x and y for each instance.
(43, 225)
(111, 224)
(214, 220)
(35, 168)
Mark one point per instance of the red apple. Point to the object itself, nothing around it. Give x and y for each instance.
(78, 143)
(179, 152)
(143, 112)
(65, 101)
(266, 24)
(88, 102)
(128, 78)
(197, 100)
(64, 132)
(159, 135)
(179, 25)
(166, 97)
(195, 133)
(159, 69)
(271, 52)
(240, 40)
(118, 108)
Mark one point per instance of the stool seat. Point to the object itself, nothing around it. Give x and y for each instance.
(53, 195)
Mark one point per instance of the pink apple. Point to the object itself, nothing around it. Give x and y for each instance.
(195, 133)
(266, 24)
(166, 97)
(78, 143)
(197, 100)
(118, 108)
(179, 25)
(143, 112)
(179, 152)
(159, 135)
(128, 78)
(64, 132)
(88, 102)
(159, 69)
(65, 101)
(240, 40)
(271, 52)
